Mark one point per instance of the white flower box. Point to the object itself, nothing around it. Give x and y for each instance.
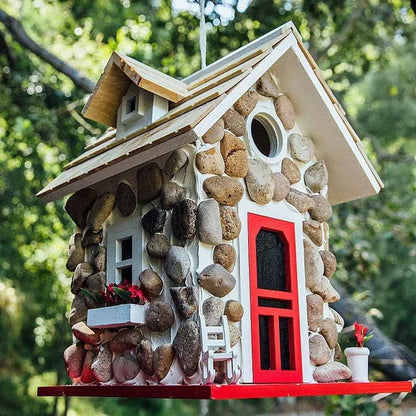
(116, 316)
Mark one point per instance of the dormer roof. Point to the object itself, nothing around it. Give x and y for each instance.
(116, 79)
(202, 99)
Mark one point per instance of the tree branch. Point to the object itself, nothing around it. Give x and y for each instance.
(345, 31)
(21, 36)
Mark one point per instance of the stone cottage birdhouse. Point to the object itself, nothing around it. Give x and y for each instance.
(200, 255)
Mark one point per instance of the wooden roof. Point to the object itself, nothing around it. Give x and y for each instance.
(116, 79)
(204, 97)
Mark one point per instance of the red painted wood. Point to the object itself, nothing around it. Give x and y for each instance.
(286, 232)
(235, 391)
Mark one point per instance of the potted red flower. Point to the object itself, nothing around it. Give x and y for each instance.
(118, 305)
(357, 357)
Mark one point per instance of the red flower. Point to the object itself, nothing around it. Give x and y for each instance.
(137, 293)
(125, 285)
(360, 332)
(110, 288)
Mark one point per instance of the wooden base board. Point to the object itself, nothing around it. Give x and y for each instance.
(235, 391)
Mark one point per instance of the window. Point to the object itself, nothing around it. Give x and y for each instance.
(132, 105)
(123, 250)
(265, 135)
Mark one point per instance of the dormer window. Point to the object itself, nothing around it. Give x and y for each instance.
(132, 106)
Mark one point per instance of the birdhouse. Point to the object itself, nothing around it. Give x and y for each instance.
(200, 257)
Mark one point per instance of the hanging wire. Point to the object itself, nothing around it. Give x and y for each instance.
(202, 34)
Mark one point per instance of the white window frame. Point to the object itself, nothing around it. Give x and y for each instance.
(128, 117)
(277, 134)
(122, 229)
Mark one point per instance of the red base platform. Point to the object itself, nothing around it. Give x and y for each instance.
(236, 391)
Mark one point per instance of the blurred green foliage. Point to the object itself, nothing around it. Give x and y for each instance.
(366, 50)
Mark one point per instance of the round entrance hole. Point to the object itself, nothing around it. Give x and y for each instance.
(265, 134)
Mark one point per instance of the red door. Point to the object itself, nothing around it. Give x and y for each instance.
(274, 300)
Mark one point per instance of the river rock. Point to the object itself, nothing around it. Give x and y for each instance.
(176, 161)
(290, 170)
(185, 300)
(151, 283)
(330, 332)
(260, 181)
(266, 86)
(102, 364)
(331, 372)
(74, 357)
(224, 190)
(285, 111)
(87, 375)
(163, 357)
(325, 290)
(301, 147)
(187, 347)
(126, 339)
(154, 220)
(233, 151)
(91, 238)
(316, 176)
(216, 280)
(215, 133)
(184, 219)
(315, 308)
(160, 316)
(235, 335)
(75, 252)
(82, 271)
(330, 263)
(126, 198)
(177, 264)
(301, 201)
(230, 223)
(247, 102)
(234, 310)
(225, 255)
(79, 310)
(171, 194)
(234, 122)
(213, 309)
(125, 367)
(322, 209)
(313, 230)
(100, 263)
(149, 183)
(84, 333)
(319, 352)
(79, 204)
(339, 320)
(281, 187)
(100, 211)
(145, 357)
(210, 161)
(157, 246)
(97, 281)
(209, 222)
(314, 266)
(337, 353)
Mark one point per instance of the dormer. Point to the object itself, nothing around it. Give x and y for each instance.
(138, 109)
(130, 96)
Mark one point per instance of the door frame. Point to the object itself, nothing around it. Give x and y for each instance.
(278, 211)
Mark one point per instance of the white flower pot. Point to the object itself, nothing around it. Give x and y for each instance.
(357, 359)
(116, 316)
